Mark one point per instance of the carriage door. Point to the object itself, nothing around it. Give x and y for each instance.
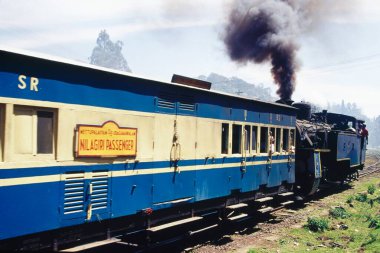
(175, 134)
(85, 196)
(185, 176)
(185, 129)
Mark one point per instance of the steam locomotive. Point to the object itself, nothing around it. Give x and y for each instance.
(88, 152)
(330, 148)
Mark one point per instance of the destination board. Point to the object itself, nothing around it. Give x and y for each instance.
(107, 140)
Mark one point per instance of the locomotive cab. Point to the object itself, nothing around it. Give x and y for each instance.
(346, 145)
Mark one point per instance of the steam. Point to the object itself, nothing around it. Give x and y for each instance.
(265, 31)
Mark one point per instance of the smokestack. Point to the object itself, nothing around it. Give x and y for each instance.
(262, 31)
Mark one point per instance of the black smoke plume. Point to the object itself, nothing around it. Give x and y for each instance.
(264, 31)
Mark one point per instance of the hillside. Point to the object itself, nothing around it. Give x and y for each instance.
(239, 87)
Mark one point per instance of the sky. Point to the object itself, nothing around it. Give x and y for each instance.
(339, 56)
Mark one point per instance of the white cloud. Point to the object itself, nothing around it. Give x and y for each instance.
(42, 23)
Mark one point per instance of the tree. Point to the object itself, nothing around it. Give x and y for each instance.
(108, 54)
(347, 108)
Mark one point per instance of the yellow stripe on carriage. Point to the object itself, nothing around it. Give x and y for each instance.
(131, 172)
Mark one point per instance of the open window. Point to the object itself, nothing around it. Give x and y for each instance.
(272, 140)
(236, 139)
(34, 131)
(264, 140)
(225, 134)
(292, 140)
(2, 124)
(247, 138)
(285, 140)
(278, 139)
(254, 139)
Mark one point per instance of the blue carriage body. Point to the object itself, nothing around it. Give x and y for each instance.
(41, 194)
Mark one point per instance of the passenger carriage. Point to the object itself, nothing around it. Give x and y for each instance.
(87, 150)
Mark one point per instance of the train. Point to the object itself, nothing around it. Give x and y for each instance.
(330, 148)
(88, 152)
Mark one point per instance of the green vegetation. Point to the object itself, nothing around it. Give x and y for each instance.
(371, 189)
(353, 226)
(350, 199)
(317, 224)
(361, 197)
(339, 212)
(374, 222)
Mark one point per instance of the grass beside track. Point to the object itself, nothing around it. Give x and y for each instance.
(345, 222)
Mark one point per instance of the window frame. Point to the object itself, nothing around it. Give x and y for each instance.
(278, 140)
(285, 149)
(240, 144)
(35, 155)
(2, 131)
(228, 138)
(292, 130)
(256, 150)
(247, 139)
(267, 139)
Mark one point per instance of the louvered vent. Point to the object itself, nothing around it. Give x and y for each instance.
(99, 196)
(187, 106)
(74, 193)
(165, 103)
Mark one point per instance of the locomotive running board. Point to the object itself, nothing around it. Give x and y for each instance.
(174, 223)
(91, 245)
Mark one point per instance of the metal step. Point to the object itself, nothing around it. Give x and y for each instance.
(91, 245)
(287, 203)
(238, 217)
(237, 206)
(265, 209)
(286, 194)
(174, 223)
(262, 200)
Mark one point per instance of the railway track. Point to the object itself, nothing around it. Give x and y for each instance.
(214, 232)
(374, 166)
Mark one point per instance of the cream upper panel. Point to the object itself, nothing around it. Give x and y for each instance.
(198, 137)
(208, 138)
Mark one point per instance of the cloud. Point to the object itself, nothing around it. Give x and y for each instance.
(47, 37)
(42, 13)
(28, 25)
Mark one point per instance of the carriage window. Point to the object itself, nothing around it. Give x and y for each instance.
(272, 139)
(225, 132)
(285, 140)
(292, 139)
(236, 139)
(247, 138)
(2, 118)
(34, 131)
(278, 139)
(44, 132)
(254, 138)
(264, 140)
